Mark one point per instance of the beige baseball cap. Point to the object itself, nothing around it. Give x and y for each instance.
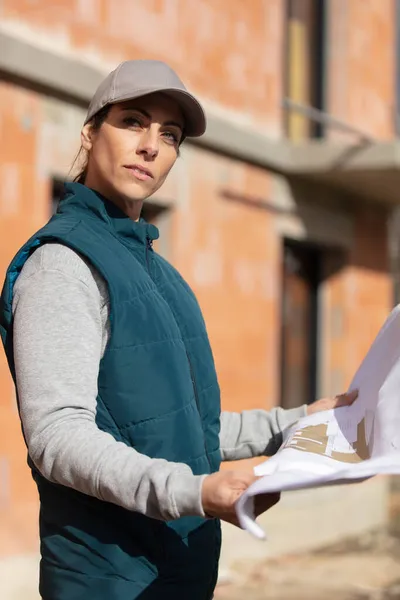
(136, 78)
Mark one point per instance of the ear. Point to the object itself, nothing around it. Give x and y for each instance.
(87, 137)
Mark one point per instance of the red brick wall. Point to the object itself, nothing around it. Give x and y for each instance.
(230, 52)
(227, 250)
(230, 254)
(361, 64)
(22, 208)
(225, 51)
(358, 298)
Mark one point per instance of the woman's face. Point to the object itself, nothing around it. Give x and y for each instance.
(133, 151)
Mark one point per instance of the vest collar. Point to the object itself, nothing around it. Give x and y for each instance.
(92, 203)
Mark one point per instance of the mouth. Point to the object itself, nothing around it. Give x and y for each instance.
(140, 172)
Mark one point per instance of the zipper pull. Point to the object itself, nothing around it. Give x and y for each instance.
(149, 243)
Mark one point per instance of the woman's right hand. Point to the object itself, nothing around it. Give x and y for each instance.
(221, 490)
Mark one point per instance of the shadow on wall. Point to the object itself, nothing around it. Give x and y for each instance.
(346, 229)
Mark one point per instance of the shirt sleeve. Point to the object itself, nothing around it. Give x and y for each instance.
(255, 432)
(57, 350)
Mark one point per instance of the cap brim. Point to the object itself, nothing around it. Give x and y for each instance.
(195, 119)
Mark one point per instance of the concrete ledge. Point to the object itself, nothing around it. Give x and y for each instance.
(367, 170)
(318, 156)
(36, 65)
(245, 144)
(75, 80)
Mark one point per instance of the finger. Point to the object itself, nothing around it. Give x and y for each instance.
(346, 399)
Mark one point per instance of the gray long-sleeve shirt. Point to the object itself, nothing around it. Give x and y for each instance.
(61, 311)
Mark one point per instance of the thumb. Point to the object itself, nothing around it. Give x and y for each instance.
(346, 399)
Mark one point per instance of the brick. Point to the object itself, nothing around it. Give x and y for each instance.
(224, 235)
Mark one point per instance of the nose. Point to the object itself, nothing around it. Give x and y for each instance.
(148, 145)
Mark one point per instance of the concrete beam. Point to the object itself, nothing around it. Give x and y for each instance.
(74, 80)
(343, 166)
(63, 75)
(245, 144)
(319, 156)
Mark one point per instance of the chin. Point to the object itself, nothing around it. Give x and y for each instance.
(133, 192)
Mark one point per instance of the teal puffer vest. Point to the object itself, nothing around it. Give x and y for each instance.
(157, 392)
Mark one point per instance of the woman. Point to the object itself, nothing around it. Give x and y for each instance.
(117, 391)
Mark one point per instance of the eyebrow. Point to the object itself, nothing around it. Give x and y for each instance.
(148, 116)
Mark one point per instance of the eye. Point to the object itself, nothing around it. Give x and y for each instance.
(171, 137)
(132, 122)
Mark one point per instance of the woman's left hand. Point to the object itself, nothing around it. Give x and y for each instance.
(329, 403)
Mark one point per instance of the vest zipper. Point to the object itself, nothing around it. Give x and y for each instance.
(196, 397)
(149, 246)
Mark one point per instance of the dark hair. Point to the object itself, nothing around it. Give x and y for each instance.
(82, 156)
